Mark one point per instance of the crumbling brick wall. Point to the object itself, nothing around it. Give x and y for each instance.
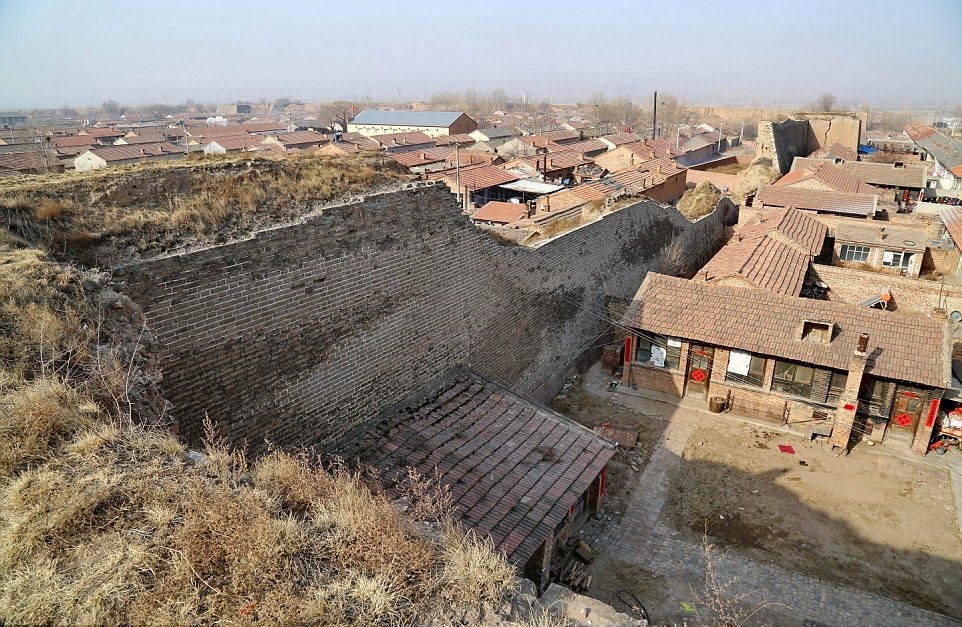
(302, 332)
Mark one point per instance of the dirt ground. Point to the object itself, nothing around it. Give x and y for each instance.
(591, 407)
(871, 520)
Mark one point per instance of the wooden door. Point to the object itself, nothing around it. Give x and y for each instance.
(906, 410)
(700, 359)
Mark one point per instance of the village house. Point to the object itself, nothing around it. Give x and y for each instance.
(614, 140)
(78, 143)
(298, 140)
(558, 167)
(38, 161)
(479, 184)
(403, 142)
(843, 370)
(825, 176)
(944, 152)
(497, 213)
(904, 182)
(223, 145)
(629, 156)
(431, 123)
(834, 152)
(464, 140)
(816, 200)
(517, 471)
(702, 147)
(774, 253)
(498, 135)
(97, 158)
(880, 246)
(104, 136)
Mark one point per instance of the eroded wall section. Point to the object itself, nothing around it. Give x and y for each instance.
(302, 332)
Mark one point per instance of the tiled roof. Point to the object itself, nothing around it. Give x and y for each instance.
(123, 153)
(372, 117)
(409, 138)
(479, 177)
(828, 174)
(363, 142)
(73, 140)
(234, 142)
(457, 138)
(903, 348)
(886, 173)
(502, 212)
(764, 262)
(816, 200)
(798, 226)
(952, 219)
(514, 467)
(651, 148)
(619, 139)
(102, 132)
(835, 151)
(583, 147)
(946, 150)
(301, 138)
(28, 161)
(143, 138)
(919, 131)
(414, 158)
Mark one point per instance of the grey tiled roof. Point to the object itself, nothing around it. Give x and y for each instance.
(903, 348)
(514, 467)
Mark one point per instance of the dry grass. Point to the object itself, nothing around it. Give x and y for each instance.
(699, 201)
(731, 168)
(106, 522)
(153, 207)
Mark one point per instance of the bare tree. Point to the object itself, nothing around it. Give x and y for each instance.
(826, 102)
(112, 108)
(500, 98)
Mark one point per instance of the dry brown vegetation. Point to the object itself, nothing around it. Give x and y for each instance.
(699, 201)
(95, 216)
(103, 521)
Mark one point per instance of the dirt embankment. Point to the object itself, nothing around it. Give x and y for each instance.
(100, 218)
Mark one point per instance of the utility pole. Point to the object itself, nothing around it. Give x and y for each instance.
(654, 117)
(457, 171)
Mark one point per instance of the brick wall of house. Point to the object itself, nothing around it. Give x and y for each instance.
(302, 332)
(908, 295)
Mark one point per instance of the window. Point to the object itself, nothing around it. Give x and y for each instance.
(745, 368)
(896, 259)
(817, 331)
(658, 350)
(854, 253)
(794, 379)
(836, 386)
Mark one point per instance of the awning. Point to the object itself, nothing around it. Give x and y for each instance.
(532, 187)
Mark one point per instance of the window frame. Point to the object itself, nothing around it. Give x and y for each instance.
(672, 353)
(794, 386)
(859, 253)
(904, 259)
(755, 377)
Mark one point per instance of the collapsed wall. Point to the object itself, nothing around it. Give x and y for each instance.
(804, 133)
(302, 332)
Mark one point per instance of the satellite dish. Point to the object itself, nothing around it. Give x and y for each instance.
(955, 316)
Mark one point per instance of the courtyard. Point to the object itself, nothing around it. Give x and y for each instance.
(803, 535)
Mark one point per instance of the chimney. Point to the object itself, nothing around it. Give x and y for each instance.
(758, 217)
(862, 347)
(881, 233)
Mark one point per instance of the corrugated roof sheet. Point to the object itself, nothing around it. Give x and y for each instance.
(903, 348)
(374, 117)
(514, 468)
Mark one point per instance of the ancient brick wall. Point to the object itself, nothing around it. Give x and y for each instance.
(302, 332)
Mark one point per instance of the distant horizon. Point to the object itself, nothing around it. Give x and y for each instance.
(750, 54)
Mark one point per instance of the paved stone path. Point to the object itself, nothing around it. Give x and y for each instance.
(641, 539)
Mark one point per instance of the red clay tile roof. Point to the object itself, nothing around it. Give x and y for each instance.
(764, 262)
(650, 173)
(123, 153)
(619, 139)
(479, 177)
(407, 138)
(414, 158)
(262, 127)
(144, 138)
(28, 161)
(102, 132)
(501, 212)
(301, 138)
(903, 348)
(73, 140)
(829, 174)
(918, 131)
(798, 226)
(458, 138)
(584, 147)
(514, 467)
(816, 200)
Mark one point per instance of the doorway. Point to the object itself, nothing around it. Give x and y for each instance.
(698, 373)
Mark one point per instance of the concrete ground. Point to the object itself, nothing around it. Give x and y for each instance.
(836, 577)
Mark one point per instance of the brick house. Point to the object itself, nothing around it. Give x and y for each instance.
(627, 156)
(432, 123)
(97, 158)
(518, 472)
(844, 369)
(887, 249)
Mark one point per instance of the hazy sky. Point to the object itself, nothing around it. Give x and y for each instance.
(753, 52)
